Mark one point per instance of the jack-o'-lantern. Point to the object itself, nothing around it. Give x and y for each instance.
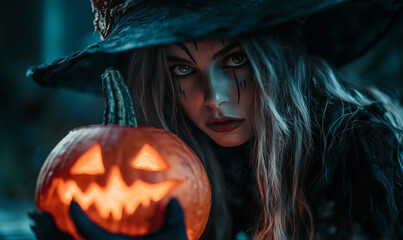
(123, 176)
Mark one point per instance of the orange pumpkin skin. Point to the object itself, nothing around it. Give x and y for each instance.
(132, 206)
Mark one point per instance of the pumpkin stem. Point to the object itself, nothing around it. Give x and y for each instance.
(118, 105)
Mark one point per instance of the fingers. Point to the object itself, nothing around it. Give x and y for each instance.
(173, 214)
(174, 224)
(42, 218)
(88, 229)
(45, 228)
(34, 215)
(84, 225)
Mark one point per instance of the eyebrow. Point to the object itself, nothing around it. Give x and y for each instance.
(226, 49)
(177, 59)
(184, 48)
(220, 53)
(196, 47)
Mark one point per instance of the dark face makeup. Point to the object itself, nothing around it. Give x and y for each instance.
(213, 80)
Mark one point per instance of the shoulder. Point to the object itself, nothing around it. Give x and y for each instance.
(359, 188)
(359, 133)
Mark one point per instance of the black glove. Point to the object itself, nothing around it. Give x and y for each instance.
(45, 228)
(174, 226)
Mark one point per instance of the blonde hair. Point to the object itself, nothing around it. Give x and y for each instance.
(283, 126)
(156, 104)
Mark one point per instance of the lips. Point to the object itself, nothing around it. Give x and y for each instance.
(224, 124)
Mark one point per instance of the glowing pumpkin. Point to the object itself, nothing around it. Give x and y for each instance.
(123, 178)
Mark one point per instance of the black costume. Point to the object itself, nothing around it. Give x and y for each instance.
(359, 189)
(356, 193)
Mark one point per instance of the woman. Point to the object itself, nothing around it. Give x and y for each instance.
(291, 150)
(302, 113)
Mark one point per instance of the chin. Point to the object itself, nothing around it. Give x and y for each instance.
(229, 141)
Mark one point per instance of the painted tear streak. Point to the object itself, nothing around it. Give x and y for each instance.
(237, 85)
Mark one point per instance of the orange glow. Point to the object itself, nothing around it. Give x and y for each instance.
(90, 162)
(115, 197)
(95, 163)
(150, 160)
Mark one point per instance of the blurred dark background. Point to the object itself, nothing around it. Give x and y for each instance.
(33, 119)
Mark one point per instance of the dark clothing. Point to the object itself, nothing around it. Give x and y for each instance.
(355, 192)
(241, 187)
(359, 192)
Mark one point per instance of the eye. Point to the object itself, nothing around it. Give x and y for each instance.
(149, 159)
(89, 162)
(182, 70)
(235, 60)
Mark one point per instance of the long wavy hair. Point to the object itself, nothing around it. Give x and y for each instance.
(285, 78)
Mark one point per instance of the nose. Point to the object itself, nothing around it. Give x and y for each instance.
(217, 87)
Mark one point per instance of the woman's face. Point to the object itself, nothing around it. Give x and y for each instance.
(214, 82)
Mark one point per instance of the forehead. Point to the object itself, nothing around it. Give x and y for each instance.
(207, 47)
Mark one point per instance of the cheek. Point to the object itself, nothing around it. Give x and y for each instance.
(239, 74)
(244, 76)
(189, 86)
(192, 104)
(190, 93)
(241, 84)
(246, 94)
(246, 103)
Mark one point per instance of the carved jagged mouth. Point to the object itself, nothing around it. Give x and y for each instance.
(115, 197)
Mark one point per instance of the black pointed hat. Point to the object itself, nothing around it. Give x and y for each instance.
(337, 30)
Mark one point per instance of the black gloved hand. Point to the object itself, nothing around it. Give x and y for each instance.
(45, 228)
(173, 228)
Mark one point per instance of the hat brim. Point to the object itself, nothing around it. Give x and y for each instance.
(336, 30)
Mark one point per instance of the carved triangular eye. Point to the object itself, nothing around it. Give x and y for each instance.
(149, 159)
(89, 162)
